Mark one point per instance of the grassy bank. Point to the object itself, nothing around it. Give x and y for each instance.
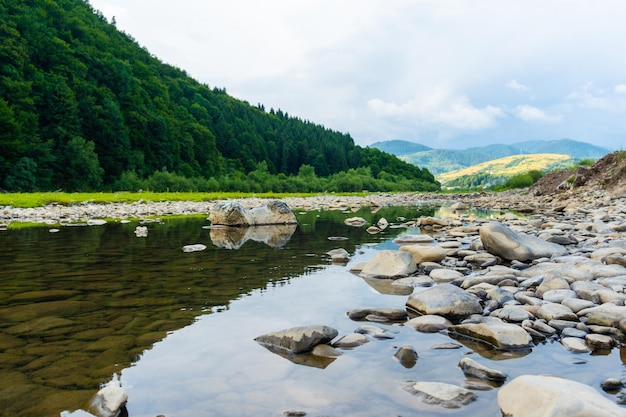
(26, 200)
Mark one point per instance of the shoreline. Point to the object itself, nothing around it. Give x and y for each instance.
(580, 200)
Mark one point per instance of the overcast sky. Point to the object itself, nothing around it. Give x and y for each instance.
(447, 74)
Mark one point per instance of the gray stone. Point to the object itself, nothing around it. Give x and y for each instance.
(552, 396)
(557, 296)
(388, 264)
(495, 332)
(444, 300)
(351, 340)
(298, 339)
(413, 239)
(391, 314)
(500, 240)
(407, 356)
(575, 344)
(512, 313)
(551, 311)
(445, 275)
(472, 368)
(429, 323)
(599, 341)
(423, 253)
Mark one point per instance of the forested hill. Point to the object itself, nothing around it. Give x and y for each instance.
(84, 107)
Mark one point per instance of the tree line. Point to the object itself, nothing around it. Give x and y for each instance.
(83, 107)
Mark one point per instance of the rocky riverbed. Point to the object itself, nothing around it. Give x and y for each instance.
(550, 266)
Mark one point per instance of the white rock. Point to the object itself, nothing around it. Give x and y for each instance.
(551, 396)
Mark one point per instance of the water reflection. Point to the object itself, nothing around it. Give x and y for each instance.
(84, 304)
(229, 237)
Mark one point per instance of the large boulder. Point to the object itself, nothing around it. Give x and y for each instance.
(494, 331)
(274, 212)
(231, 213)
(389, 264)
(445, 300)
(500, 240)
(551, 396)
(297, 339)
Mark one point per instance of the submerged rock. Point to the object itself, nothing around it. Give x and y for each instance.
(407, 356)
(439, 393)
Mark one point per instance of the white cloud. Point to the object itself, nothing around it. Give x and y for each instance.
(439, 107)
(354, 65)
(514, 85)
(534, 114)
(592, 97)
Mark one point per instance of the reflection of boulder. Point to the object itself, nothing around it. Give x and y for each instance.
(307, 359)
(232, 213)
(229, 237)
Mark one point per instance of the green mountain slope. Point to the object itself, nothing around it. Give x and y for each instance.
(82, 105)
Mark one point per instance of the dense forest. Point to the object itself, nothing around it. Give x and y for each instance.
(83, 107)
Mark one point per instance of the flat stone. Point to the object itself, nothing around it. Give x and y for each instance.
(575, 344)
(429, 323)
(551, 311)
(496, 332)
(298, 339)
(413, 239)
(445, 275)
(444, 300)
(425, 253)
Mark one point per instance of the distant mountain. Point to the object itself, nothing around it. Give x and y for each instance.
(439, 161)
(400, 147)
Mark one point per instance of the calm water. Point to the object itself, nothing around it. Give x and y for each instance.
(90, 304)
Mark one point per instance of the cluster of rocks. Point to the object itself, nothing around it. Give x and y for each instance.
(557, 274)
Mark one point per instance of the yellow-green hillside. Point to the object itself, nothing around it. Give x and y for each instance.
(510, 166)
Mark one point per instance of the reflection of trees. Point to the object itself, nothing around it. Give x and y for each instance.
(84, 303)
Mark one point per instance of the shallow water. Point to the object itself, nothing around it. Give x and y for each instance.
(89, 304)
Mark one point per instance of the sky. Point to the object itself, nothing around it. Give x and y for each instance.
(443, 73)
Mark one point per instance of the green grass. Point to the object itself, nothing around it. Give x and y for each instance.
(27, 200)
